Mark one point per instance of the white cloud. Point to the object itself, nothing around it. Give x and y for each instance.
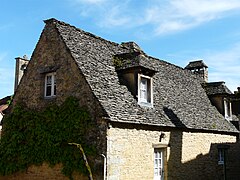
(225, 66)
(90, 1)
(222, 65)
(114, 17)
(179, 15)
(163, 16)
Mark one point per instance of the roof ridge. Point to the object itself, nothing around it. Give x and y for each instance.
(162, 60)
(55, 21)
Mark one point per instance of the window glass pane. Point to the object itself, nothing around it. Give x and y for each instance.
(158, 164)
(49, 80)
(54, 93)
(50, 85)
(48, 91)
(54, 78)
(149, 91)
(143, 89)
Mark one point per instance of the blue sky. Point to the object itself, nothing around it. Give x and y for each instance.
(177, 31)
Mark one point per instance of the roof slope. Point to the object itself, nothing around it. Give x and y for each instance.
(216, 88)
(179, 99)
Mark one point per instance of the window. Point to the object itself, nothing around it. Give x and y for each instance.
(50, 85)
(227, 109)
(158, 164)
(221, 154)
(145, 90)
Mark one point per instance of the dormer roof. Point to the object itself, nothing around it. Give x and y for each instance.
(136, 59)
(216, 88)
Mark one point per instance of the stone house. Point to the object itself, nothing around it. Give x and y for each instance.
(223, 99)
(220, 96)
(3, 108)
(236, 103)
(155, 119)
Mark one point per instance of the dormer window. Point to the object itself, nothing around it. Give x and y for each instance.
(227, 109)
(145, 96)
(50, 85)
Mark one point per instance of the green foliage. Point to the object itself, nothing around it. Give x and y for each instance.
(31, 138)
(117, 61)
(9, 102)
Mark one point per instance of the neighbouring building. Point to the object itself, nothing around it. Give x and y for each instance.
(220, 96)
(155, 118)
(21, 66)
(236, 103)
(4, 103)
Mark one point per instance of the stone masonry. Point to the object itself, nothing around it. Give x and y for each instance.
(130, 153)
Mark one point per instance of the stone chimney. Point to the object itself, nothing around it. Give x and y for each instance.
(200, 68)
(21, 66)
(238, 91)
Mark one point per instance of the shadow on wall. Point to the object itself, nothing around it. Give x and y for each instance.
(203, 166)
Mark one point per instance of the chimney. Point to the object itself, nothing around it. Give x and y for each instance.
(21, 66)
(200, 68)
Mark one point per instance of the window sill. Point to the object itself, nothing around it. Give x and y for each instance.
(228, 118)
(49, 97)
(146, 104)
(220, 162)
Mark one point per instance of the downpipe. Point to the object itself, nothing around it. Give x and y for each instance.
(105, 166)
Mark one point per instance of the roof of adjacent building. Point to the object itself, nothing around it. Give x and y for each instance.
(178, 97)
(3, 108)
(196, 64)
(4, 104)
(216, 88)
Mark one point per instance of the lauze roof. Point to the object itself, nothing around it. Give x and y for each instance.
(178, 98)
(216, 88)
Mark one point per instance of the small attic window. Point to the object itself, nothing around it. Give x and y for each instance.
(222, 153)
(145, 95)
(227, 109)
(50, 85)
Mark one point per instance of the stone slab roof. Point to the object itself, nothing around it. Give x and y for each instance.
(196, 64)
(3, 108)
(5, 100)
(133, 59)
(216, 88)
(179, 99)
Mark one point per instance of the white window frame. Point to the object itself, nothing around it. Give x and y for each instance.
(52, 85)
(149, 88)
(158, 164)
(227, 109)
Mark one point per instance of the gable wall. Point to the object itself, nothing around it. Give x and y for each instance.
(189, 155)
(51, 52)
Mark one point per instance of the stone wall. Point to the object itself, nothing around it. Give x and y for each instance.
(52, 55)
(43, 172)
(188, 155)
